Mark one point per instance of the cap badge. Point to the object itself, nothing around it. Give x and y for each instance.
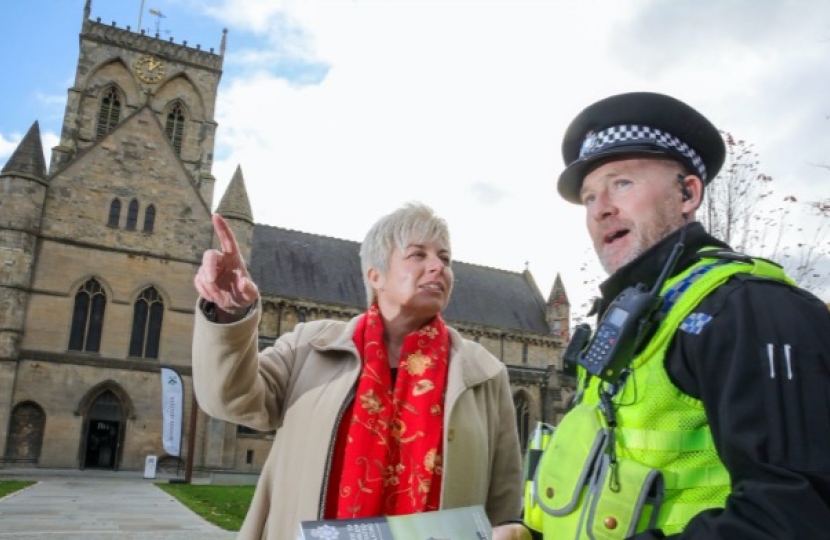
(589, 143)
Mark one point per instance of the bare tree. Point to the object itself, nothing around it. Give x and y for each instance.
(742, 209)
(730, 206)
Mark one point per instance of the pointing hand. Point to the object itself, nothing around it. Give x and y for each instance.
(223, 278)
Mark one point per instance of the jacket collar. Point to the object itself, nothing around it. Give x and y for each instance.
(646, 268)
(465, 356)
(336, 337)
(469, 357)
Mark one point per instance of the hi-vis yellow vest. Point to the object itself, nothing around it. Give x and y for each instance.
(659, 467)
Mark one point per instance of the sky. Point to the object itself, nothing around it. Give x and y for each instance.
(339, 111)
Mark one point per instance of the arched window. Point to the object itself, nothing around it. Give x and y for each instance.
(148, 313)
(132, 215)
(109, 113)
(174, 127)
(88, 317)
(115, 213)
(149, 218)
(25, 433)
(522, 418)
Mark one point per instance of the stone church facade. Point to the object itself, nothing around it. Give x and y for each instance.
(98, 254)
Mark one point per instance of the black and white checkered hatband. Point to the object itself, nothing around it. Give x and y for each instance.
(632, 135)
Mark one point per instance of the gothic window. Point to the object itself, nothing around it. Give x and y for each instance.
(149, 218)
(132, 215)
(148, 313)
(115, 213)
(25, 433)
(522, 418)
(174, 127)
(524, 353)
(109, 113)
(88, 317)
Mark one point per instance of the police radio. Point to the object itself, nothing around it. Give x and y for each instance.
(625, 327)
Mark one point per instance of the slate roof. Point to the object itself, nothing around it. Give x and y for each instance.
(301, 265)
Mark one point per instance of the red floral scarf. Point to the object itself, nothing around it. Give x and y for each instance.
(392, 451)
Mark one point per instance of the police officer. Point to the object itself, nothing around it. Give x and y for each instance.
(717, 423)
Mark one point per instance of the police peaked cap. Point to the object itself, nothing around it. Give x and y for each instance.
(638, 124)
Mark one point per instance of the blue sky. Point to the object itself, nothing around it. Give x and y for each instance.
(340, 110)
(41, 49)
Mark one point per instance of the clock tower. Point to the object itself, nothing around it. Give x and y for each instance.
(97, 298)
(120, 71)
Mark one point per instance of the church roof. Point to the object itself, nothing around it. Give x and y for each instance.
(235, 203)
(28, 158)
(301, 265)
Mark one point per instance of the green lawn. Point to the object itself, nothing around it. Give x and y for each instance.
(10, 486)
(224, 506)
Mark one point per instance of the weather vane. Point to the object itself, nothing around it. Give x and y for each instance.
(156, 13)
(159, 16)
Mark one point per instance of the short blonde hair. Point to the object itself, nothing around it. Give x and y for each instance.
(414, 222)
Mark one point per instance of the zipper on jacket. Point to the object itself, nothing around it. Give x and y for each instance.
(332, 441)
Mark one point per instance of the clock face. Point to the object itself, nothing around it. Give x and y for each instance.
(150, 69)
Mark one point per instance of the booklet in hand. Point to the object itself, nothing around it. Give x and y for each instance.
(467, 523)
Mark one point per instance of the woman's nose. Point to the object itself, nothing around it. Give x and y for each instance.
(436, 264)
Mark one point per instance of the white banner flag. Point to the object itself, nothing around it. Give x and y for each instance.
(172, 397)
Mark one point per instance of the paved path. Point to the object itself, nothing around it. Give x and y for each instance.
(100, 508)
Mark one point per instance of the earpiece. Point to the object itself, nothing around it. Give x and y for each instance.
(684, 191)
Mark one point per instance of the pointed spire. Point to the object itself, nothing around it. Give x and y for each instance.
(235, 203)
(87, 9)
(28, 158)
(558, 296)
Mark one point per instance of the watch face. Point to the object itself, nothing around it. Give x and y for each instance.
(150, 69)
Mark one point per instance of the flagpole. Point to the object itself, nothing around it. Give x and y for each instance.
(140, 14)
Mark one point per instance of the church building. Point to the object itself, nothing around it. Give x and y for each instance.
(98, 254)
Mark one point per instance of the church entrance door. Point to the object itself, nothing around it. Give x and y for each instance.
(104, 425)
(101, 444)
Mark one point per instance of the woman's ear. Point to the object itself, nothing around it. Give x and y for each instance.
(375, 278)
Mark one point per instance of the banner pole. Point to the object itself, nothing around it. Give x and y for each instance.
(191, 434)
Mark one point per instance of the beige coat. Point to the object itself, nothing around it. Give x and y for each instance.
(298, 387)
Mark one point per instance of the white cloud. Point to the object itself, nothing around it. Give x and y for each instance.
(462, 105)
(8, 145)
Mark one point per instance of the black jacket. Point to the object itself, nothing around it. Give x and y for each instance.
(761, 367)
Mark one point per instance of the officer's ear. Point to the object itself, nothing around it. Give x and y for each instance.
(691, 192)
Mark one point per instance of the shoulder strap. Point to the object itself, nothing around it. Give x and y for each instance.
(684, 294)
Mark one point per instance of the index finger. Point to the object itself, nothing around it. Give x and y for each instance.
(226, 239)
